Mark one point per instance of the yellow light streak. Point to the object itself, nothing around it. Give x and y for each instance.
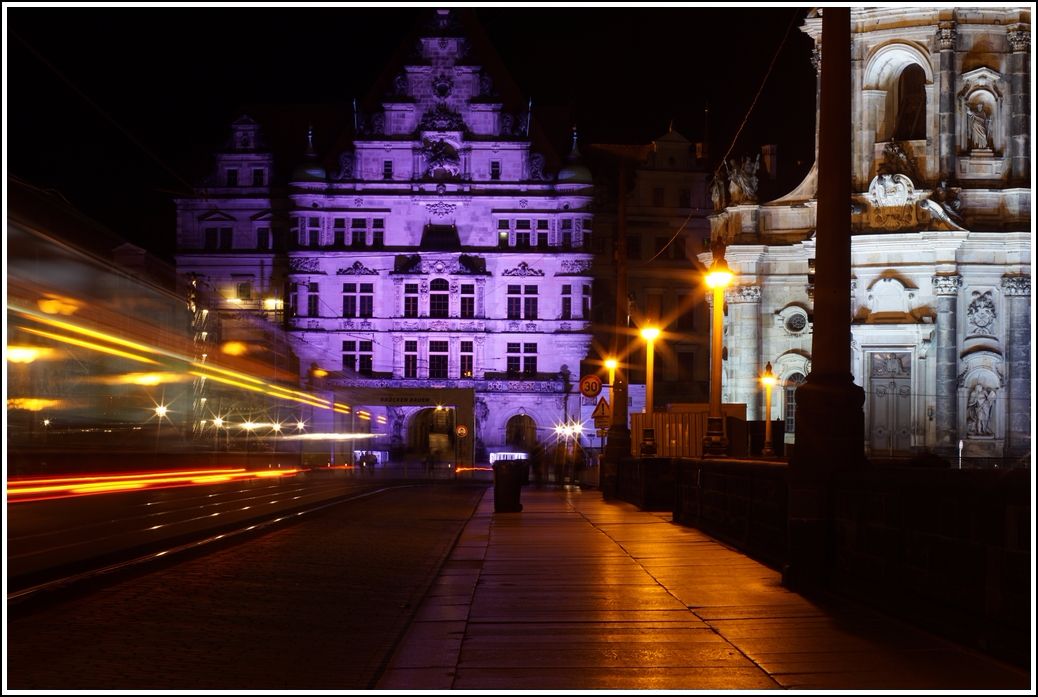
(90, 345)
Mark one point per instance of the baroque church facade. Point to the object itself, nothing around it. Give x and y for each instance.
(441, 257)
(941, 241)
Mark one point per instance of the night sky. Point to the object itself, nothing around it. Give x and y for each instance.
(119, 108)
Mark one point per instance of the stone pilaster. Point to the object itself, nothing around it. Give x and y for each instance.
(1020, 105)
(743, 342)
(1017, 292)
(946, 289)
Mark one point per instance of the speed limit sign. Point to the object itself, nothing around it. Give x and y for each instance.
(590, 385)
(461, 431)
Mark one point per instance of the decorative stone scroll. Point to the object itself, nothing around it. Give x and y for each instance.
(304, 265)
(358, 269)
(524, 270)
(441, 209)
(743, 294)
(892, 202)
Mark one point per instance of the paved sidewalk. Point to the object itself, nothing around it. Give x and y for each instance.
(576, 593)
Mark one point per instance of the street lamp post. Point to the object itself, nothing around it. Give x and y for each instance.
(718, 278)
(768, 380)
(610, 365)
(649, 334)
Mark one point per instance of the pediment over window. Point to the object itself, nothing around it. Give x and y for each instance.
(215, 216)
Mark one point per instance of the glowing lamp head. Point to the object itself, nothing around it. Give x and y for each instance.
(611, 363)
(768, 379)
(719, 275)
(650, 333)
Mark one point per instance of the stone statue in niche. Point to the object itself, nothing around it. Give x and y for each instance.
(978, 410)
(978, 130)
(981, 313)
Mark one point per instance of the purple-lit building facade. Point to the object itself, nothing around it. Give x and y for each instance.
(439, 254)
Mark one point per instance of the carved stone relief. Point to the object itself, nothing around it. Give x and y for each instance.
(981, 314)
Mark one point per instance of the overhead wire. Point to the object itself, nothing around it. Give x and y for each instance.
(742, 125)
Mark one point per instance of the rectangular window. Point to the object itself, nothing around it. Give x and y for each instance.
(585, 306)
(226, 238)
(684, 198)
(359, 232)
(259, 177)
(387, 169)
(439, 305)
(263, 238)
(634, 247)
(495, 169)
(465, 365)
(311, 300)
(438, 359)
(661, 244)
(212, 238)
(514, 359)
(685, 320)
(378, 232)
(567, 240)
(515, 302)
(468, 300)
(410, 359)
(530, 302)
(244, 290)
(339, 227)
(567, 302)
(530, 359)
(410, 300)
(357, 299)
(313, 232)
(357, 356)
(542, 239)
(232, 177)
(522, 240)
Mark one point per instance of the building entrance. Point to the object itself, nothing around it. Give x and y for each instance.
(890, 403)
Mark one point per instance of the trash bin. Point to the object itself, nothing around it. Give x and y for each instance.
(508, 483)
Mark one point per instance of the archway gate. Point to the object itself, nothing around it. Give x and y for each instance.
(462, 400)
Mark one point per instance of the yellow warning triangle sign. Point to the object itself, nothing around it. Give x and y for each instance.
(602, 410)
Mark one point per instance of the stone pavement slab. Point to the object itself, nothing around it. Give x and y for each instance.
(578, 593)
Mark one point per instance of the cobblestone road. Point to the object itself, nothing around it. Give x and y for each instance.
(315, 605)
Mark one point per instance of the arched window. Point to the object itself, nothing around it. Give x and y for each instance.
(439, 300)
(789, 401)
(911, 105)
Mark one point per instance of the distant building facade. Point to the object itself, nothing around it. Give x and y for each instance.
(440, 254)
(941, 246)
(665, 226)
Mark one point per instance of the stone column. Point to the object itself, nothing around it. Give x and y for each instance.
(946, 289)
(744, 358)
(1017, 291)
(1020, 105)
(829, 423)
(945, 41)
